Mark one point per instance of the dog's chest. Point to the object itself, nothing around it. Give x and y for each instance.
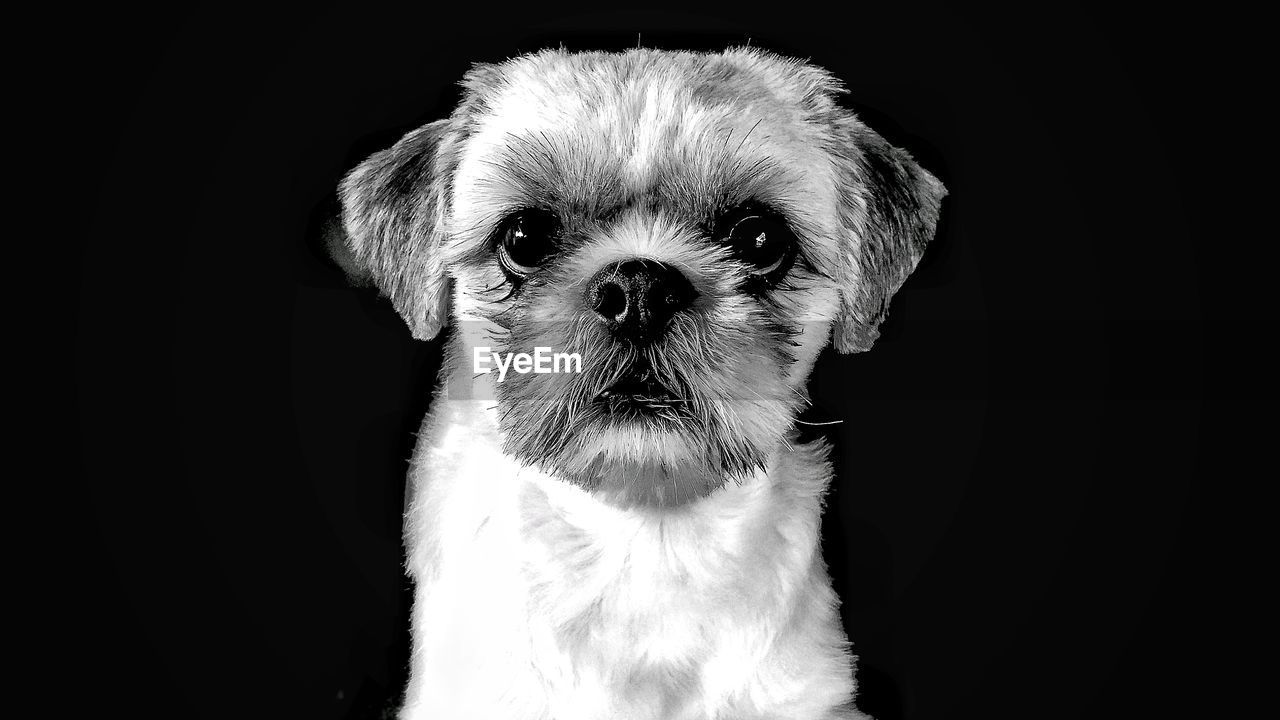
(637, 614)
(636, 594)
(537, 601)
(634, 617)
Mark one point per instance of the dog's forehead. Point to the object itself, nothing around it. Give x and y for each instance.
(598, 130)
(650, 85)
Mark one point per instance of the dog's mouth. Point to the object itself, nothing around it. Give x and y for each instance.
(640, 392)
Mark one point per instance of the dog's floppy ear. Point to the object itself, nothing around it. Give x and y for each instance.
(393, 207)
(889, 207)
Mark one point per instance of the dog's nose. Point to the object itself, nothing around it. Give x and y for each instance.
(637, 298)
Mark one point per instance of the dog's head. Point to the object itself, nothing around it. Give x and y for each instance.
(694, 226)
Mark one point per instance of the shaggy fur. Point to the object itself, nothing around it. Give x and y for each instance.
(571, 563)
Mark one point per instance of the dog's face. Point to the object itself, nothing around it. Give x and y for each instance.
(692, 226)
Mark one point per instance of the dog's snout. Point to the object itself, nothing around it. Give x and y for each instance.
(637, 298)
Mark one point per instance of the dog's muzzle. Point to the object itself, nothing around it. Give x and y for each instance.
(636, 298)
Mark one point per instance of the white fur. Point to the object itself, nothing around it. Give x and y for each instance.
(536, 601)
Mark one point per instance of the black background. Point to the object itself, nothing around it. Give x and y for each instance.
(1014, 530)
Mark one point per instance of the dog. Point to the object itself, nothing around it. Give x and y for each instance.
(638, 538)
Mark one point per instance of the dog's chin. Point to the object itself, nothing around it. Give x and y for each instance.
(639, 442)
(638, 456)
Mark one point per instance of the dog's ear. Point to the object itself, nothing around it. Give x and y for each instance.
(889, 206)
(393, 207)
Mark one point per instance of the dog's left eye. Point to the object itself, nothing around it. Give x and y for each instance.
(762, 242)
(526, 239)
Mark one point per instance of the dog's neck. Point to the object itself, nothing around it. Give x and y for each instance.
(524, 576)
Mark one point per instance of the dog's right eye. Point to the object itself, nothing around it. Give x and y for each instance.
(525, 240)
